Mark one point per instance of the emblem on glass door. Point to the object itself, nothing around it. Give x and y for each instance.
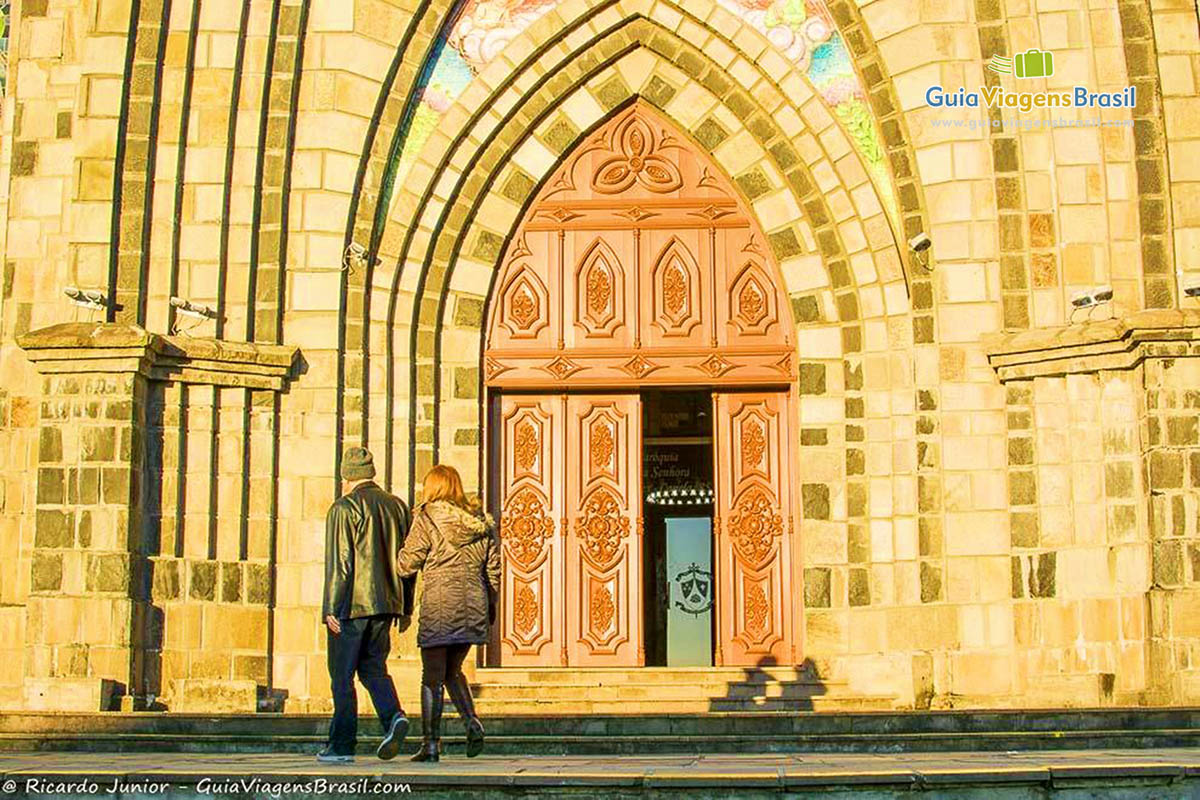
(694, 586)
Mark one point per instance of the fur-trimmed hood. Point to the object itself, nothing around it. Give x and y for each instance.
(459, 526)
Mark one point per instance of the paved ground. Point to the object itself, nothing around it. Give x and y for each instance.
(796, 771)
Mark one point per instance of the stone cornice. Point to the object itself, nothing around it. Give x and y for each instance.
(89, 347)
(1110, 344)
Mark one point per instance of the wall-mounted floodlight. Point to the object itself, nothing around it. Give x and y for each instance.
(356, 256)
(1091, 299)
(194, 310)
(92, 299)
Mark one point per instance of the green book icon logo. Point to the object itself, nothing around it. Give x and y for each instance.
(1034, 64)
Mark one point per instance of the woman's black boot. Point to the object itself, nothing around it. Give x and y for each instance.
(460, 693)
(431, 724)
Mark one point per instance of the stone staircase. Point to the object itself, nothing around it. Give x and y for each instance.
(627, 734)
(663, 690)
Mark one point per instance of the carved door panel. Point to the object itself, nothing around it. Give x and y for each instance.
(599, 275)
(677, 289)
(757, 604)
(531, 530)
(749, 305)
(603, 554)
(527, 313)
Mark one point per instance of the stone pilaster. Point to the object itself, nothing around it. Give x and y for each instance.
(94, 634)
(87, 600)
(1147, 395)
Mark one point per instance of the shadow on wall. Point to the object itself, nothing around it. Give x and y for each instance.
(769, 686)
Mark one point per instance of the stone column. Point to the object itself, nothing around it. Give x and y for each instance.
(88, 579)
(93, 634)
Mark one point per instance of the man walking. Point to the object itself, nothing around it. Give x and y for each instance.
(364, 531)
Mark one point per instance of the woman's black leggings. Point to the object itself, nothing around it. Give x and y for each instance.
(441, 664)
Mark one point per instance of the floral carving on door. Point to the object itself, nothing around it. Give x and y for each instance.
(526, 445)
(524, 304)
(676, 277)
(755, 524)
(602, 527)
(525, 611)
(757, 610)
(525, 527)
(753, 307)
(601, 286)
(636, 159)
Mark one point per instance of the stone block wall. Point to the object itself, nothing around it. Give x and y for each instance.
(85, 613)
(970, 538)
(1172, 466)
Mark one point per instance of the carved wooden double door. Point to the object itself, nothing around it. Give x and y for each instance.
(637, 265)
(572, 530)
(571, 526)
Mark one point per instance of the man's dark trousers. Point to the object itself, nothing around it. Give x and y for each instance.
(361, 647)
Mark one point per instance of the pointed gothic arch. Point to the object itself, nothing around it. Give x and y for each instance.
(638, 237)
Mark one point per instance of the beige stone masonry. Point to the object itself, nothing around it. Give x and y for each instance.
(74, 347)
(1111, 344)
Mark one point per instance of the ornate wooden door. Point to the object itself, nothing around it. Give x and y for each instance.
(638, 264)
(758, 603)
(604, 546)
(570, 530)
(533, 503)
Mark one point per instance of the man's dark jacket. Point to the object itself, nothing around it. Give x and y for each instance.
(364, 532)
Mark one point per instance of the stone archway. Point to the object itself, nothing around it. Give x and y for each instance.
(637, 265)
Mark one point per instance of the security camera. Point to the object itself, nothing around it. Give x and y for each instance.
(1103, 294)
(920, 243)
(356, 253)
(1192, 290)
(87, 298)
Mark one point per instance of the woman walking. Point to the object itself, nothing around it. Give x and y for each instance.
(456, 546)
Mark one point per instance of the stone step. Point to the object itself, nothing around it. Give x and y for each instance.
(661, 691)
(680, 706)
(785, 724)
(644, 675)
(641, 744)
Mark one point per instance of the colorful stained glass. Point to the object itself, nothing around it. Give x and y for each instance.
(5, 13)
(802, 30)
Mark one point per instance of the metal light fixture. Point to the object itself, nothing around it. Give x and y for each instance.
(92, 299)
(1091, 299)
(920, 244)
(187, 308)
(356, 256)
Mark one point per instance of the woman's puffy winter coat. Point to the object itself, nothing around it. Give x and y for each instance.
(460, 558)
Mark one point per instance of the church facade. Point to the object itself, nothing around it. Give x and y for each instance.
(767, 346)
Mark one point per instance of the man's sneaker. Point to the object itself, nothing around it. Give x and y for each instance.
(328, 756)
(393, 738)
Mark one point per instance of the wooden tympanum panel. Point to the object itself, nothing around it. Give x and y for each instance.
(638, 264)
(758, 605)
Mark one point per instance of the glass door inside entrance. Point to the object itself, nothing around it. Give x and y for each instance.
(677, 480)
(690, 591)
